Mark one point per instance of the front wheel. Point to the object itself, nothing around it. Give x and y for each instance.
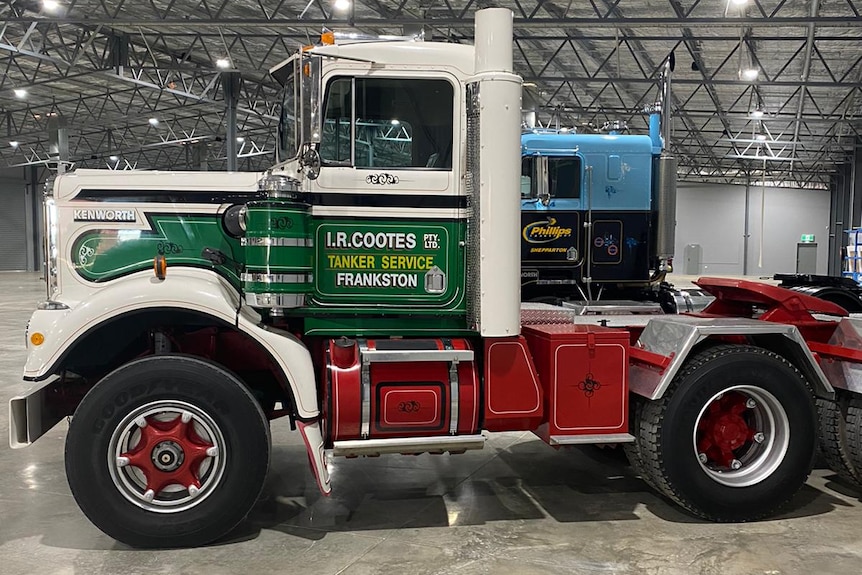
(167, 451)
(733, 438)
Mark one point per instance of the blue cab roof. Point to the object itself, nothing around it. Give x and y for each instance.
(555, 143)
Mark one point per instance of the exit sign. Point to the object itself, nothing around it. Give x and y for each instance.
(807, 239)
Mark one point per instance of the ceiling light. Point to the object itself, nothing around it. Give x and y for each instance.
(760, 137)
(240, 139)
(50, 5)
(757, 114)
(341, 5)
(738, 2)
(750, 74)
(154, 122)
(113, 158)
(20, 93)
(395, 122)
(223, 63)
(14, 143)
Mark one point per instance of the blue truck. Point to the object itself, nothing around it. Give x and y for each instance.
(597, 215)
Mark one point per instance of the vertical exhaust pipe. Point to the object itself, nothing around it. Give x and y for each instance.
(664, 184)
(493, 179)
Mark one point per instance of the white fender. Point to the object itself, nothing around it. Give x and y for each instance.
(184, 288)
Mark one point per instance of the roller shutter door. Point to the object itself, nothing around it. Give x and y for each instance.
(13, 226)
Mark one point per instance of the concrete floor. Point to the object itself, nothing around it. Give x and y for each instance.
(516, 507)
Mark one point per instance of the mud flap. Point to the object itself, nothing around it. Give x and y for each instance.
(314, 445)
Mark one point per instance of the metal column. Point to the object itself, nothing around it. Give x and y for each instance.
(838, 212)
(231, 85)
(199, 156)
(58, 143)
(746, 234)
(35, 257)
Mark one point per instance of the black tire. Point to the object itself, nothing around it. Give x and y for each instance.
(834, 445)
(221, 412)
(777, 465)
(854, 434)
(632, 449)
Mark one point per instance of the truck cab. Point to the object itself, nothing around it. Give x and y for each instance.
(586, 211)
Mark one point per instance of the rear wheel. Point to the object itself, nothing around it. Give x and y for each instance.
(632, 449)
(733, 437)
(167, 451)
(854, 435)
(834, 445)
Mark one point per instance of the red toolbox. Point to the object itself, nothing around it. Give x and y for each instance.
(584, 375)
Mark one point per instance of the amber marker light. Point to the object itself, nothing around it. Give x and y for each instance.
(160, 267)
(37, 338)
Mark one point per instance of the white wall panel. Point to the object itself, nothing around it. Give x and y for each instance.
(713, 215)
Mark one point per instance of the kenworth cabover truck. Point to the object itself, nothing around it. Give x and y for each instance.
(598, 211)
(367, 288)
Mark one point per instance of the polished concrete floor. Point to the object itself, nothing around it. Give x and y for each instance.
(517, 507)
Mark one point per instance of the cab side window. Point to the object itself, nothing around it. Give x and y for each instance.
(389, 123)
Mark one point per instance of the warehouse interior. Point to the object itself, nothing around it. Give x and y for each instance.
(766, 109)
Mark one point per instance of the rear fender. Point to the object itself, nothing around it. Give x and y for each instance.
(670, 340)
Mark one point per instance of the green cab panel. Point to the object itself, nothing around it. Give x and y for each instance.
(389, 265)
(105, 254)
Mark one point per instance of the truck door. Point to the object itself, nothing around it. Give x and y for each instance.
(551, 218)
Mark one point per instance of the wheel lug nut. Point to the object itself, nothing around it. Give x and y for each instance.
(735, 464)
(702, 457)
(750, 403)
(759, 437)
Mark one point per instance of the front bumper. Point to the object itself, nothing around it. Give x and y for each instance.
(33, 414)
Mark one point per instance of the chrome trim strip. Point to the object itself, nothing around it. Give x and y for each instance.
(410, 355)
(407, 445)
(365, 392)
(454, 410)
(274, 300)
(597, 438)
(276, 278)
(454, 390)
(277, 242)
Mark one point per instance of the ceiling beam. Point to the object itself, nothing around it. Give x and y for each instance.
(455, 23)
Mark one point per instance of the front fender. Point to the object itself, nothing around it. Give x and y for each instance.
(189, 289)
